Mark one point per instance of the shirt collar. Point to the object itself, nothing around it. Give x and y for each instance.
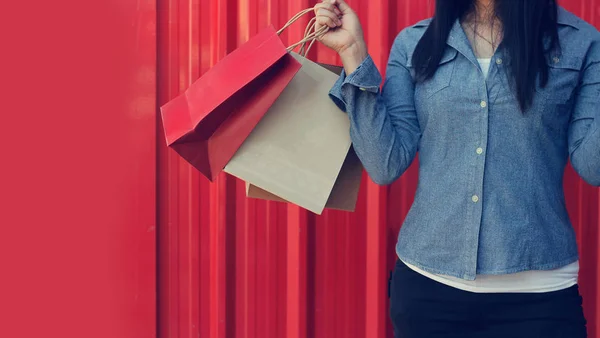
(459, 41)
(567, 18)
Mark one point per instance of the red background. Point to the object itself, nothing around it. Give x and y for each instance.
(97, 215)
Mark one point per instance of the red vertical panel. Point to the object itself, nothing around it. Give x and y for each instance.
(203, 54)
(191, 233)
(245, 297)
(222, 207)
(77, 181)
(233, 267)
(296, 296)
(262, 226)
(167, 260)
(584, 207)
(297, 223)
(325, 282)
(183, 242)
(376, 284)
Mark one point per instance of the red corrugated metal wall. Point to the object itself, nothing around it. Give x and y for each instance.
(232, 267)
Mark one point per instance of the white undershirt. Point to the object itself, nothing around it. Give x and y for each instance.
(484, 63)
(526, 281)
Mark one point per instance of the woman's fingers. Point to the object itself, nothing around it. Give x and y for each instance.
(328, 6)
(327, 14)
(342, 5)
(325, 21)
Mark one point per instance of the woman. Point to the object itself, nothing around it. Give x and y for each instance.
(495, 96)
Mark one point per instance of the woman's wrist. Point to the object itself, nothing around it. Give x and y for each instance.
(353, 55)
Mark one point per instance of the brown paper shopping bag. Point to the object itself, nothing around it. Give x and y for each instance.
(345, 190)
(300, 152)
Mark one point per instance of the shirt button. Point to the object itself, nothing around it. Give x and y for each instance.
(479, 151)
(498, 61)
(475, 198)
(556, 59)
(483, 104)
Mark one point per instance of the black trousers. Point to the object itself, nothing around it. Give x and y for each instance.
(423, 308)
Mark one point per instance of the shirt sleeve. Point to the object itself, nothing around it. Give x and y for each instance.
(584, 130)
(383, 123)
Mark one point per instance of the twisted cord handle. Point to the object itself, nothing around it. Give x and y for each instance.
(310, 35)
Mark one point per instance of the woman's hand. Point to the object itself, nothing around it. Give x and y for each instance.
(345, 35)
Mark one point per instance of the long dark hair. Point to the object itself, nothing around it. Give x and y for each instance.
(530, 31)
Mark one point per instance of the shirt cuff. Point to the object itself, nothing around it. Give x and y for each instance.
(365, 78)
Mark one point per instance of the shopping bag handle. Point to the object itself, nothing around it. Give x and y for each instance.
(310, 27)
(295, 18)
(310, 35)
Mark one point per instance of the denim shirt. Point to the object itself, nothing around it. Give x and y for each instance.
(490, 193)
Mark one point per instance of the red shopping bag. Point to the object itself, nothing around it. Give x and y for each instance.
(209, 121)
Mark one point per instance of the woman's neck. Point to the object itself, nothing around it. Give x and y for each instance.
(483, 28)
(484, 11)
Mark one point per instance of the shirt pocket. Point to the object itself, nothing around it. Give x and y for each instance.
(557, 98)
(442, 77)
(563, 78)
